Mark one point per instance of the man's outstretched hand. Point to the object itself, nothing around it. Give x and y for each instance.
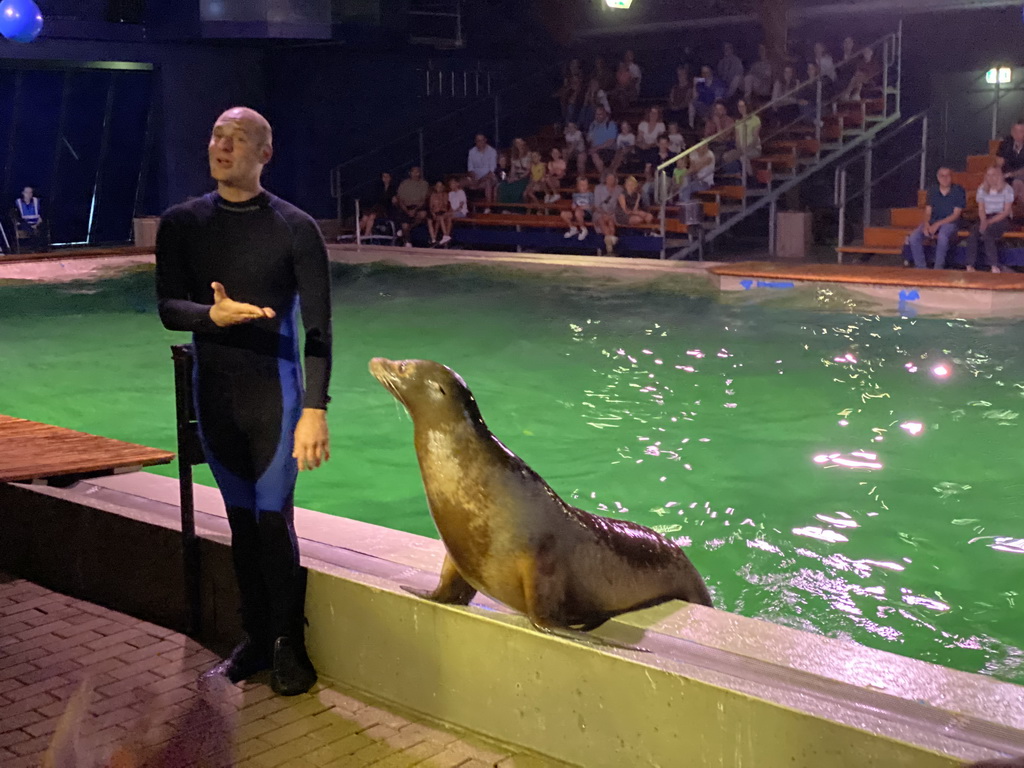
(225, 311)
(312, 443)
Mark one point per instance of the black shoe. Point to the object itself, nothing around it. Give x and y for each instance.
(293, 671)
(248, 658)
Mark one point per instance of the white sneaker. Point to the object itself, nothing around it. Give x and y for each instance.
(995, 269)
(970, 268)
(572, 231)
(583, 234)
(445, 240)
(408, 244)
(486, 211)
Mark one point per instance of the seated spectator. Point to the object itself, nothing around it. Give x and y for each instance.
(537, 185)
(946, 201)
(701, 173)
(784, 96)
(606, 197)
(808, 95)
(995, 204)
(825, 63)
(520, 160)
(628, 211)
(676, 142)
(748, 138)
(1010, 158)
(627, 81)
(717, 123)
(680, 96)
(570, 95)
(679, 174)
(868, 70)
(457, 200)
(730, 70)
(411, 202)
(601, 140)
(30, 218)
(595, 97)
(707, 89)
(634, 69)
(555, 173)
(758, 81)
(481, 164)
(440, 220)
(575, 147)
(378, 203)
(849, 47)
(651, 193)
(648, 132)
(625, 146)
(582, 210)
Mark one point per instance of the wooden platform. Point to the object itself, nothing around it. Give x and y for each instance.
(30, 450)
(62, 254)
(868, 275)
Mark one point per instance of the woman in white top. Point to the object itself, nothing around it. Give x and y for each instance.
(748, 137)
(647, 134)
(701, 175)
(995, 205)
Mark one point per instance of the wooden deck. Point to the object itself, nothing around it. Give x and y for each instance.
(62, 254)
(868, 275)
(30, 450)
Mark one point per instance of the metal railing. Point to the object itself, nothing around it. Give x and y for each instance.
(888, 47)
(842, 198)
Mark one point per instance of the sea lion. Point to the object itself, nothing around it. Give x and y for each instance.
(508, 534)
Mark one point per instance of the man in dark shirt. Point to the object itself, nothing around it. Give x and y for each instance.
(946, 201)
(234, 267)
(1010, 159)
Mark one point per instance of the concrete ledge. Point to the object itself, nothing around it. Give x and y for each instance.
(716, 688)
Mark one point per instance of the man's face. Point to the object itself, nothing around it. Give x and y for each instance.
(727, 49)
(601, 115)
(945, 176)
(609, 180)
(1017, 132)
(415, 173)
(719, 110)
(481, 141)
(238, 149)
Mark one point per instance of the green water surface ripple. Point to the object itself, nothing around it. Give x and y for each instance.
(847, 474)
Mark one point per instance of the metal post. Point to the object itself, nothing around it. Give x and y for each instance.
(189, 452)
(885, 77)
(423, 170)
(995, 108)
(924, 148)
(841, 236)
(818, 120)
(497, 112)
(662, 204)
(359, 228)
(867, 182)
(945, 129)
(427, 73)
(899, 67)
(772, 212)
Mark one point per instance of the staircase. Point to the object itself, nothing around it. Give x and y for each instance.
(797, 150)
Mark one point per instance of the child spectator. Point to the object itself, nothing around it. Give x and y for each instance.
(676, 142)
(555, 174)
(628, 211)
(457, 200)
(537, 185)
(625, 144)
(582, 210)
(575, 147)
(647, 134)
(440, 215)
(702, 172)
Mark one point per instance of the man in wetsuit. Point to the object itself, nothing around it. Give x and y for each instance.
(233, 267)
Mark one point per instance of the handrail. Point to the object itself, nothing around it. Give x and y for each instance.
(922, 115)
(771, 104)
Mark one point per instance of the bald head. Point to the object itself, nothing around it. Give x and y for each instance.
(251, 121)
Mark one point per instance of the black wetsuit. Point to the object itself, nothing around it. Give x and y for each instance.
(248, 377)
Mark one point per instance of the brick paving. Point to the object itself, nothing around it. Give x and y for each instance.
(144, 681)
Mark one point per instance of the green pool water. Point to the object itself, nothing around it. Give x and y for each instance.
(815, 462)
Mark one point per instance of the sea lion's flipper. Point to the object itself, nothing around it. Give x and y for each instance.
(451, 590)
(584, 638)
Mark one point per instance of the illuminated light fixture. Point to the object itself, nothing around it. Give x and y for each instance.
(1001, 75)
(618, 3)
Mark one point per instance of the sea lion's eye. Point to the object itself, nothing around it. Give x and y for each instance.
(439, 388)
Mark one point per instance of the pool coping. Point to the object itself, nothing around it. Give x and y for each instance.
(962, 715)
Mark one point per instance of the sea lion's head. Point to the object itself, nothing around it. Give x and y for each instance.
(427, 389)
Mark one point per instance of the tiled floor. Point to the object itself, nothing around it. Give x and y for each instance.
(50, 643)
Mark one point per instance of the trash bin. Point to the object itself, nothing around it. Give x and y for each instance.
(793, 234)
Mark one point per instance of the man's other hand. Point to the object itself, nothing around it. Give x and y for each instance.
(225, 311)
(312, 443)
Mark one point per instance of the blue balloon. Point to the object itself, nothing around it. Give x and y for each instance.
(20, 20)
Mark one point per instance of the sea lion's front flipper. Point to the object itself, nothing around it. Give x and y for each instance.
(452, 589)
(585, 638)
